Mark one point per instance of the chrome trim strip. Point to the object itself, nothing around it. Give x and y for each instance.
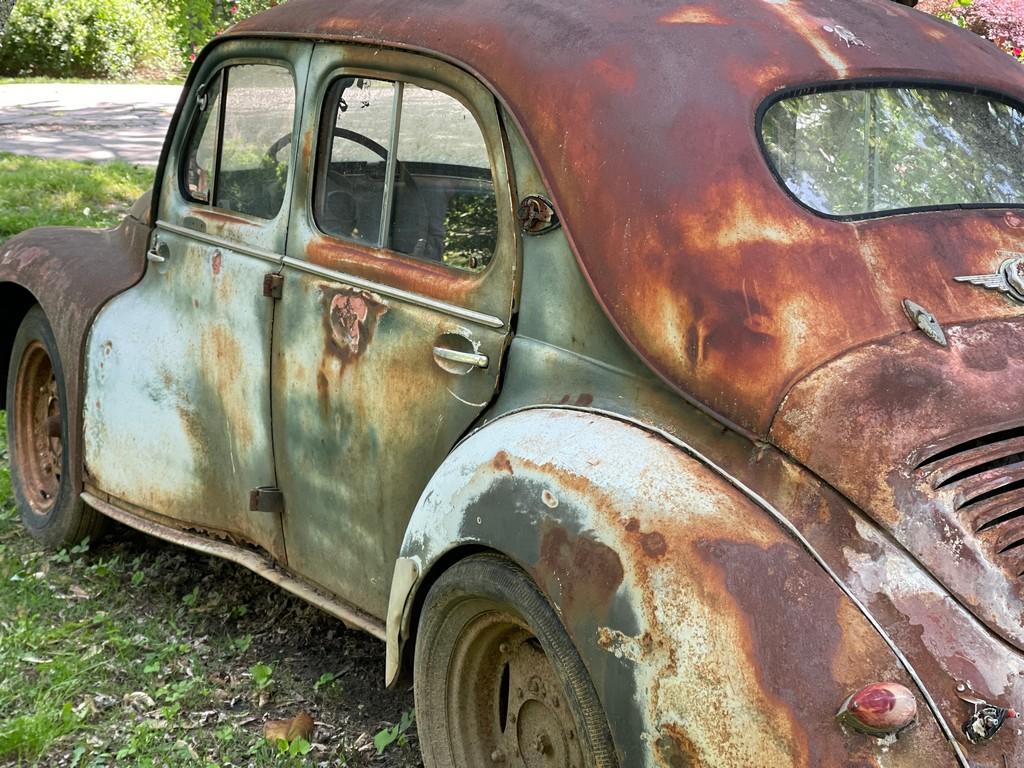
(469, 315)
(220, 242)
(793, 531)
(384, 240)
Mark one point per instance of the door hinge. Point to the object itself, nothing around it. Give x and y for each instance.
(266, 498)
(273, 282)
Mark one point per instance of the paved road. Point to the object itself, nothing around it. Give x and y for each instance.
(86, 121)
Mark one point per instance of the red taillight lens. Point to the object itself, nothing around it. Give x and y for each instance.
(879, 709)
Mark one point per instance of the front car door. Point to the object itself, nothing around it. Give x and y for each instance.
(177, 415)
(398, 293)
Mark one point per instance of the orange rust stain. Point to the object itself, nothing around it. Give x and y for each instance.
(690, 14)
(221, 218)
(502, 462)
(615, 75)
(216, 263)
(675, 749)
(406, 273)
(1014, 220)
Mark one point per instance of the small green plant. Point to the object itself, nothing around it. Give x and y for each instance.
(262, 675)
(326, 680)
(395, 734)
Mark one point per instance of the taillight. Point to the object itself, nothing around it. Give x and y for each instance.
(879, 709)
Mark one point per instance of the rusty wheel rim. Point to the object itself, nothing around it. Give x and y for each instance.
(39, 450)
(506, 705)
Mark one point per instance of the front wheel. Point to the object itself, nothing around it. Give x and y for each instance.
(497, 679)
(37, 432)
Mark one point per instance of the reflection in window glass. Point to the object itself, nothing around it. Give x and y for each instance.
(256, 149)
(350, 189)
(882, 149)
(444, 207)
(202, 147)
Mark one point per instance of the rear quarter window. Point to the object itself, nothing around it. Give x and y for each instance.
(867, 151)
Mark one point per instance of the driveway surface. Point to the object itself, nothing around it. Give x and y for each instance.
(86, 121)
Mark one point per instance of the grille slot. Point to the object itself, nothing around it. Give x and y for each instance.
(981, 478)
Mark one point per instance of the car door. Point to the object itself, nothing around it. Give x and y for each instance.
(177, 416)
(396, 304)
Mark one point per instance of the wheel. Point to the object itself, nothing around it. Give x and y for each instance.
(497, 679)
(37, 430)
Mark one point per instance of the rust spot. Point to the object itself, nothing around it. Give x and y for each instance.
(632, 525)
(323, 391)
(549, 499)
(586, 571)
(654, 544)
(502, 462)
(351, 317)
(1014, 220)
(675, 748)
(584, 400)
(215, 263)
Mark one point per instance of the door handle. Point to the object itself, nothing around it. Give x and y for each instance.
(471, 359)
(154, 257)
(158, 252)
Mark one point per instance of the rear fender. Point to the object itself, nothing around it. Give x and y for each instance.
(711, 634)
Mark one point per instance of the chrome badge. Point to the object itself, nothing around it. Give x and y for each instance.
(1008, 279)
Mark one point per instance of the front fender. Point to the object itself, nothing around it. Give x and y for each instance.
(711, 635)
(72, 273)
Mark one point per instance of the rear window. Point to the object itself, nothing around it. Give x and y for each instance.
(867, 151)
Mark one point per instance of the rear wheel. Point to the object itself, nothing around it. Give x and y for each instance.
(37, 430)
(497, 679)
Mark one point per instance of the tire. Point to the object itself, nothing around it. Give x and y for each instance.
(497, 679)
(37, 432)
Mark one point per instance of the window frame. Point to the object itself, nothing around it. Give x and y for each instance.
(324, 149)
(830, 86)
(221, 69)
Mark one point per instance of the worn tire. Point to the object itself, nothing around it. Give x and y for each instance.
(486, 636)
(50, 507)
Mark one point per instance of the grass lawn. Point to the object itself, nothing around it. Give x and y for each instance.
(133, 652)
(35, 192)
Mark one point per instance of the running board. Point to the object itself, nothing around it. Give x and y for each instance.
(257, 563)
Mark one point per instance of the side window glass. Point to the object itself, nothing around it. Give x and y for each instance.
(259, 111)
(198, 170)
(440, 203)
(357, 127)
(444, 208)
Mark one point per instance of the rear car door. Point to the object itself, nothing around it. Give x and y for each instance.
(177, 417)
(396, 304)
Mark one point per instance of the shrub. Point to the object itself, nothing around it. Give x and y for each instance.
(1001, 21)
(196, 22)
(86, 38)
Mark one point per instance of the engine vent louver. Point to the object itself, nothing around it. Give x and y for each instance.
(981, 477)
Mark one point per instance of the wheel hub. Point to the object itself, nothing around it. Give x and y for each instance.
(38, 424)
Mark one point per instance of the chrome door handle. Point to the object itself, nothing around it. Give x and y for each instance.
(154, 257)
(474, 359)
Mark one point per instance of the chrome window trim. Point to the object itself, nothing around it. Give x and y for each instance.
(469, 315)
(221, 242)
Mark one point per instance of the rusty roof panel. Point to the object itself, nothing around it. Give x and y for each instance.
(642, 119)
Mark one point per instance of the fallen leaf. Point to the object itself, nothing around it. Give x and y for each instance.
(139, 701)
(299, 727)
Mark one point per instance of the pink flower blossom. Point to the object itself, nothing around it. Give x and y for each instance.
(233, 9)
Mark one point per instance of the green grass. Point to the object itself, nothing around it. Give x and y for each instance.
(133, 652)
(36, 192)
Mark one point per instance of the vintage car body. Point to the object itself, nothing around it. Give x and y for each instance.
(706, 428)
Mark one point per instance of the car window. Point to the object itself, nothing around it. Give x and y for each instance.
(440, 204)
(870, 150)
(202, 147)
(357, 127)
(240, 149)
(444, 208)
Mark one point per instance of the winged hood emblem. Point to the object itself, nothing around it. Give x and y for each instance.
(1008, 279)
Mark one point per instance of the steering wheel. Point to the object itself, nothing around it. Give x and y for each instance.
(417, 201)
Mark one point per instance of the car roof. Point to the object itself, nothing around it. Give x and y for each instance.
(642, 120)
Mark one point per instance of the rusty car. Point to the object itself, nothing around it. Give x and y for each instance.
(648, 377)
